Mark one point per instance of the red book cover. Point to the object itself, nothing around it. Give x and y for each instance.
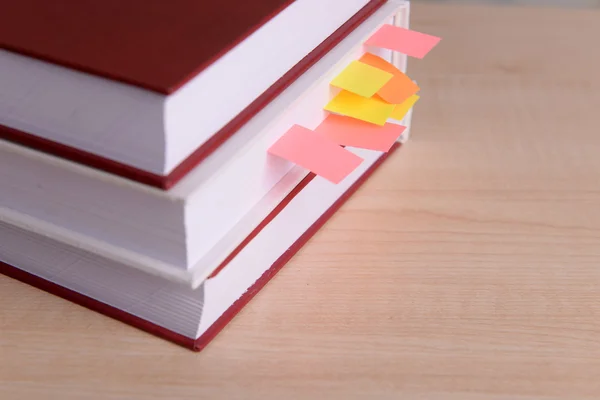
(155, 44)
(201, 342)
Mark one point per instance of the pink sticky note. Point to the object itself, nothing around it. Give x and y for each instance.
(406, 41)
(348, 131)
(316, 153)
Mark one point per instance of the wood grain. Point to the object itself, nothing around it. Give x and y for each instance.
(467, 268)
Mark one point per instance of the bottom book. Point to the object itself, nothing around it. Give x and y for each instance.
(188, 316)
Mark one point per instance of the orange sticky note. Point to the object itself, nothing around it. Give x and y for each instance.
(316, 153)
(347, 131)
(396, 90)
(402, 109)
(406, 41)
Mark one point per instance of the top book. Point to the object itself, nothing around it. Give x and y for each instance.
(148, 88)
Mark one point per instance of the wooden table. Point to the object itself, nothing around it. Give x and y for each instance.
(467, 268)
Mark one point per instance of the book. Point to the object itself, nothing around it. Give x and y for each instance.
(148, 89)
(193, 313)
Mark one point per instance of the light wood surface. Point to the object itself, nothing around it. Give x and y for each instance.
(467, 268)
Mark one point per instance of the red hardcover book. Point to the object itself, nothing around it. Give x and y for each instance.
(224, 316)
(154, 45)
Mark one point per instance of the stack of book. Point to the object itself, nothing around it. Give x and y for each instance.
(160, 160)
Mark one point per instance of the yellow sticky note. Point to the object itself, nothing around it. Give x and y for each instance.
(361, 79)
(369, 109)
(402, 109)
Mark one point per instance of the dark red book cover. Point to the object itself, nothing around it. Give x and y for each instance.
(154, 44)
(201, 342)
